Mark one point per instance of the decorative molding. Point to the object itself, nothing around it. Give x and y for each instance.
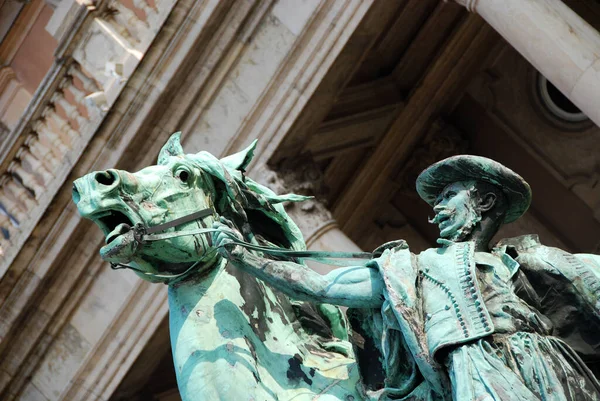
(359, 130)
(7, 75)
(19, 31)
(40, 295)
(326, 226)
(58, 119)
(366, 98)
(317, 68)
(4, 131)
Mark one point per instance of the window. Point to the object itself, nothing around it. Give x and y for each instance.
(558, 105)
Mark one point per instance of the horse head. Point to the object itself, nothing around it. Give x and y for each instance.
(180, 185)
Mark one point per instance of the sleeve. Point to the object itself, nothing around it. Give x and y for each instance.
(566, 289)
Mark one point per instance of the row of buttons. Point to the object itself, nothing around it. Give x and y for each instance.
(450, 295)
(471, 286)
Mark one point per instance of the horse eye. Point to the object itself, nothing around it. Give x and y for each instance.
(183, 175)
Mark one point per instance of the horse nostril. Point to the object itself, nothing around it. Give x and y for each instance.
(75, 195)
(105, 177)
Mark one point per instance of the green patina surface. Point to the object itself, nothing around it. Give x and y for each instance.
(232, 336)
(462, 321)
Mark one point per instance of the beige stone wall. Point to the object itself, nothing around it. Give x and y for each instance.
(34, 56)
(26, 54)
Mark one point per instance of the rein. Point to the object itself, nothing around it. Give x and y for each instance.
(143, 234)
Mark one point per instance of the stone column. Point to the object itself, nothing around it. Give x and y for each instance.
(321, 232)
(557, 41)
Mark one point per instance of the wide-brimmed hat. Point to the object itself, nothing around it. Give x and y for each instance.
(436, 177)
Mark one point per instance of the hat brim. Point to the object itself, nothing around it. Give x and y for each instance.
(436, 177)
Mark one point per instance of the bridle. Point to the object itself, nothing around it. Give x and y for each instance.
(143, 234)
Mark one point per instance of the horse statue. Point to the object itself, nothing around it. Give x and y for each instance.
(232, 336)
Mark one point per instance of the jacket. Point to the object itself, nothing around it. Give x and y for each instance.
(433, 302)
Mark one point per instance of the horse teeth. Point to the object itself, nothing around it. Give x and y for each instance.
(119, 230)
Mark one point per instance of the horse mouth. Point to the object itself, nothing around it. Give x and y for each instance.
(113, 223)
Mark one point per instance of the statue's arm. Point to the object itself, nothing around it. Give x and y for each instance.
(588, 274)
(578, 274)
(356, 287)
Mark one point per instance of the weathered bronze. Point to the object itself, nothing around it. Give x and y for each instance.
(463, 321)
(517, 321)
(233, 338)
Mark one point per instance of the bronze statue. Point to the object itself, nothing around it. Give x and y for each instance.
(232, 336)
(462, 321)
(466, 320)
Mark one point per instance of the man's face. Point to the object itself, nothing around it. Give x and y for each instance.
(455, 210)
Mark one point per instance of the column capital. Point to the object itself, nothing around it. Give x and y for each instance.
(470, 5)
(301, 176)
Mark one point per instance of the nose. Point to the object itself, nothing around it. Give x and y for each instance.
(107, 180)
(437, 208)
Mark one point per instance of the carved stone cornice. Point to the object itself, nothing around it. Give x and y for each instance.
(76, 82)
(45, 288)
(322, 69)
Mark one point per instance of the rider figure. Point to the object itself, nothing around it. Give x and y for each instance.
(465, 321)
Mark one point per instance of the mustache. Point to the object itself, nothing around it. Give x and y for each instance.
(442, 215)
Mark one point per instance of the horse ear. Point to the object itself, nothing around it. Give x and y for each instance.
(171, 148)
(241, 160)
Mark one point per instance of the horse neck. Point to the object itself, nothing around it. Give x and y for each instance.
(234, 338)
(224, 303)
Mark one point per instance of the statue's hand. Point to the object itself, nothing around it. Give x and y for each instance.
(223, 239)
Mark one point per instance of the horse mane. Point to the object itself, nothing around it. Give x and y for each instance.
(258, 213)
(258, 224)
(255, 210)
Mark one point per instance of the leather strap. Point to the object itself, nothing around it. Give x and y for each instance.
(144, 234)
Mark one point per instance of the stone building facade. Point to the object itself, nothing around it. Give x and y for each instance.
(349, 100)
